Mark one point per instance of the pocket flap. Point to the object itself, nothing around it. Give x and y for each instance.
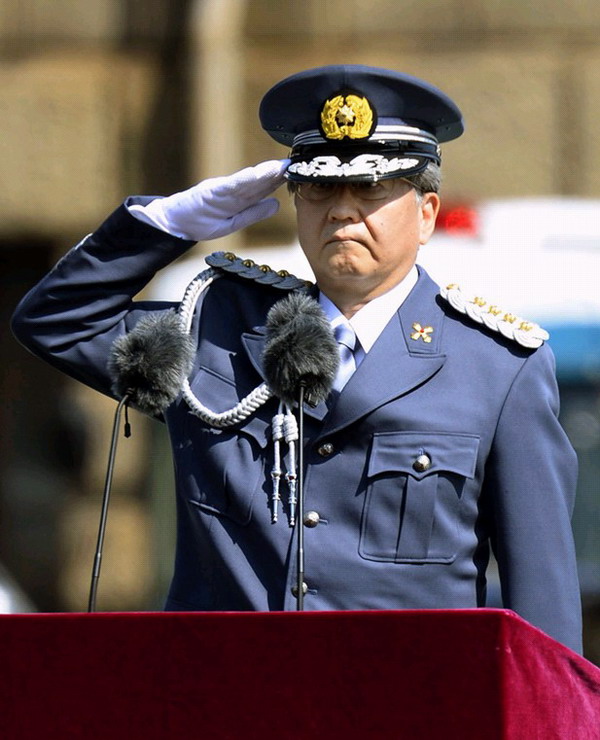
(447, 452)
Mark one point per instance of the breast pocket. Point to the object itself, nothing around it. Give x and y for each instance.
(412, 504)
(220, 470)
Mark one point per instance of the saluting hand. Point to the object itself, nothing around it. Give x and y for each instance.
(220, 205)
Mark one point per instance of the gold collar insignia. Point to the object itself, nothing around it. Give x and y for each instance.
(421, 332)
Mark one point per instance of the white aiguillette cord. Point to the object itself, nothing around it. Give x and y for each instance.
(301, 360)
(249, 404)
(284, 425)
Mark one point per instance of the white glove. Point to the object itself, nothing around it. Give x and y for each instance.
(218, 206)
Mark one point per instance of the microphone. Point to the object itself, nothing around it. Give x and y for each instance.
(300, 349)
(147, 367)
(151, 362)
(300, 361)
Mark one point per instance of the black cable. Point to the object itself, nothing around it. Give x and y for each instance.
(105, 502)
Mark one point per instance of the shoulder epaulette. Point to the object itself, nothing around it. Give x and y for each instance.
(526, 333)
(247, 268)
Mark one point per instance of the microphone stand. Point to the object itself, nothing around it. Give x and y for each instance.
(105, 501)
(300, 500)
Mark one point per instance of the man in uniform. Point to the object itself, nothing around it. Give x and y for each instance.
(439, 438)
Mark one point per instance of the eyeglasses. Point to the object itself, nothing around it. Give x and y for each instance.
(369, 191)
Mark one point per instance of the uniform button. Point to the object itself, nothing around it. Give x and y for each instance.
(422, 463)
(325, 449)
(295, 589)
(311, 519)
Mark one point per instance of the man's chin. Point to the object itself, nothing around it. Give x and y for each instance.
(347, 267)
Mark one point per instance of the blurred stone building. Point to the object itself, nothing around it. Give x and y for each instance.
(103, 98)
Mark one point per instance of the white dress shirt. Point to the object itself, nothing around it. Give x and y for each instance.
(369, 321)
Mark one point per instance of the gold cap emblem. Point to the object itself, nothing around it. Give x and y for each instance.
(347, 116)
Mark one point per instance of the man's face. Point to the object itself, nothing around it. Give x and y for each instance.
(367, 246)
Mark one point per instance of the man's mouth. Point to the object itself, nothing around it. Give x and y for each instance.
(338, 239)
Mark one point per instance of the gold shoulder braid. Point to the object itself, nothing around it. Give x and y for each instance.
(247, 268)
(526, 333)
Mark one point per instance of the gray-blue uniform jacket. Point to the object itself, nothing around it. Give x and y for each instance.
(482, 408)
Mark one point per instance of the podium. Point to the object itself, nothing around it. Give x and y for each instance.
(468, 674)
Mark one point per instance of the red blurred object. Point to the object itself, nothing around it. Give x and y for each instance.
(458, 220)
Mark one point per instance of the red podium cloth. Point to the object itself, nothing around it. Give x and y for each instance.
(414, 674)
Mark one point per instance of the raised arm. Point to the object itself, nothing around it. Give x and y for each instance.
(72, 317)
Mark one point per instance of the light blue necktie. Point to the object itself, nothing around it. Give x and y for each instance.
(346, 339)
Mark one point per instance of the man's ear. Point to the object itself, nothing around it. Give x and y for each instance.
(429, 209)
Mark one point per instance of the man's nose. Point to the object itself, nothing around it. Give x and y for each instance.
(344, 204)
